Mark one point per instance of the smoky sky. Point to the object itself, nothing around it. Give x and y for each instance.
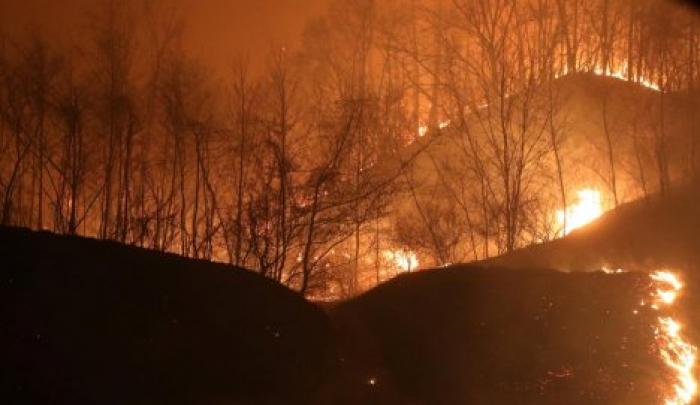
(216, 30)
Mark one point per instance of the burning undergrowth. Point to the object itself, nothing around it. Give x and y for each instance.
(497, 336)
(678, 354)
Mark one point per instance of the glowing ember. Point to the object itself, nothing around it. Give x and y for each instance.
(678, 355)
(423, 129)
(404, 260)
(587, 209)
(612, 271)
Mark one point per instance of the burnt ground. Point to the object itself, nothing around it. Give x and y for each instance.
(86, 321)
(472, 335)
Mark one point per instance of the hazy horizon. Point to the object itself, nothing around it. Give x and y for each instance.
(215, 30)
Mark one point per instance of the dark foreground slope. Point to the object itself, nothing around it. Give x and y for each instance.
(470, 335)
(84, 321)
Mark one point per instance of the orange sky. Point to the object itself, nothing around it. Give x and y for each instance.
(217, 29)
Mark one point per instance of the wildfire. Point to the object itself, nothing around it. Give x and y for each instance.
(404, 260)
(671, 283)
(678, 354)
(422, 130)
(620, 73)
(587, 209)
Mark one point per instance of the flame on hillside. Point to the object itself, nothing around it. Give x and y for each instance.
(675, 351)
(620, 73)
(403, 260)
(585, 210)
(422, 130)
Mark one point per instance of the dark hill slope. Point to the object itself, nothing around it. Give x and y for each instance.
(86, 321)
(470, 335)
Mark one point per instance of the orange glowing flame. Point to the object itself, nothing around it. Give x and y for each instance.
(668, 286)
(619, 73)
(403, 260)
(612, 271)
(677, 353)
(587, 209)
(423, 129)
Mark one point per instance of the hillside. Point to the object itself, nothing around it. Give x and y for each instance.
(507, 331)
(87, 321)
(647, 234)
(657, 233)
(473, 335)
(441, 214)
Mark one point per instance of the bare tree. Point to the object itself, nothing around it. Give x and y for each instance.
(243, 110)
(113, 54)
(70, 111)
(282, 86)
